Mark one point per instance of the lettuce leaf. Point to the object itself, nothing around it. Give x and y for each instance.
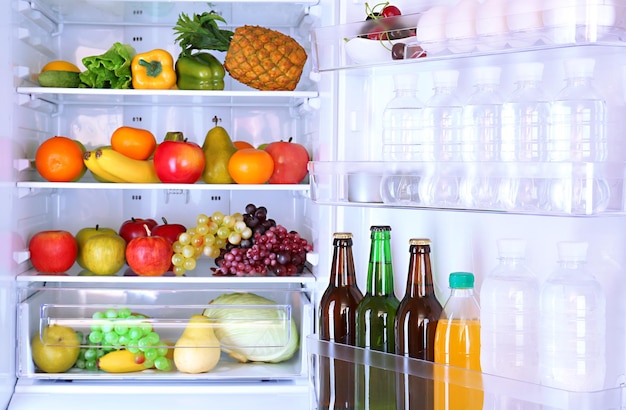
(109, 70)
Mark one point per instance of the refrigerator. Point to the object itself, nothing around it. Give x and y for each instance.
(336, 112)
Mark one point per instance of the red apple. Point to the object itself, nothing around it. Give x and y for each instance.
(133, 228)
(168, 231)
(178, 161)
(149, 255)
(290, 162)
(53, 251)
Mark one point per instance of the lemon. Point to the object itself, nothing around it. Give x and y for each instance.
(60, 65)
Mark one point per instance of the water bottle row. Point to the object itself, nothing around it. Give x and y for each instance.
(578, 189)
(525, 126)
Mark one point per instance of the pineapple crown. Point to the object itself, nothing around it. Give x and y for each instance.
(201, 32)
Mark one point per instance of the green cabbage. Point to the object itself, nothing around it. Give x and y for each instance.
(253, 333)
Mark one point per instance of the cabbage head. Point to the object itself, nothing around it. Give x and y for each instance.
(253, 333)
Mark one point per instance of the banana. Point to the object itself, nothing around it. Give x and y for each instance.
(120, 361)
(124, 168)
(89, 158)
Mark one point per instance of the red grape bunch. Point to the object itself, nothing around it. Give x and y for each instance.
(271, 248)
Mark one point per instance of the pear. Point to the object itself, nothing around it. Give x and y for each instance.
(197, 350)
(218, 147)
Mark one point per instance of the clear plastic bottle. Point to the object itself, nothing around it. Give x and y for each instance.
(509, 321)
(572, 353)
(578, 117)
(443, 115)
(579, 136)
(525, 126)
(402, 119)
(403, 143)
(482, 127)
(457, 343)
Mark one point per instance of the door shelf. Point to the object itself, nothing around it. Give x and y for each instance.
(560, 189)
(166, 312)
(441, 32)
(423, 373)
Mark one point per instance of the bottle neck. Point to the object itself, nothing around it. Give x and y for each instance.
(342, 272)
(380, 270)
(420, 279)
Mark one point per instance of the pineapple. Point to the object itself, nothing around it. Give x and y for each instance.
(265, 59)
(256, 56)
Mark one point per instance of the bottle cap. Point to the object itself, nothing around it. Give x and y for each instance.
(380, 228)
(579, 67)
(461, 280)
(572, 251)
(512, 248)
(488, 75)
(419, 241)
(528, 71)
(342, 235)
(405, 81)
(445, 77)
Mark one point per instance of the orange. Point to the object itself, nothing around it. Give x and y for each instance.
(60, 159)
(242, 144)
(251, 166)
(135, 143)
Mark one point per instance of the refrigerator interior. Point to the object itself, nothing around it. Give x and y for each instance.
(43, 30)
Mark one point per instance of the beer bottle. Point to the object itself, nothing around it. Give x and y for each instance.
(416, 322)
(375, 317)
(337, 324)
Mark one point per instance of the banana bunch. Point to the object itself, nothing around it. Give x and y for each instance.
(108, 165)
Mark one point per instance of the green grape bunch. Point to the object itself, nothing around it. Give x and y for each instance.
(116, 329)
(210, 235)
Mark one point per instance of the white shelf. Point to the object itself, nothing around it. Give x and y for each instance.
(197, 186)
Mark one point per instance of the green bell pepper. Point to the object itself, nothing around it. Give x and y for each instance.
(200, 71)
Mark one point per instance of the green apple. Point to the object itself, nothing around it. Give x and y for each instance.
(262, 146)
(104, 254)
(56, 350)
(86, 233)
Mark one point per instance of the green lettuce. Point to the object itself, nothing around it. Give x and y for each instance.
(109, 70)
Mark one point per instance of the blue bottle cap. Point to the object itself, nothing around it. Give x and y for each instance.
(461, 280)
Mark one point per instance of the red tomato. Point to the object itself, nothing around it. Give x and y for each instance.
(179, 162)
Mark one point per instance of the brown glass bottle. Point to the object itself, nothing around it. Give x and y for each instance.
(416, 322)
(337, 324)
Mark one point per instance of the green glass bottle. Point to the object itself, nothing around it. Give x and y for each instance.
(375, 317)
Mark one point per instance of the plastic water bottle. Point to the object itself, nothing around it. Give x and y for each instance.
(525, 122)
(573, 324)
(403, 143)
(402, 119)
(509, 320)
(482, 141)
(579, 136)
(443, 115)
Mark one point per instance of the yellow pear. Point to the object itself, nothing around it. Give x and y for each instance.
(218, 148)
(197, 350)
(56, 350)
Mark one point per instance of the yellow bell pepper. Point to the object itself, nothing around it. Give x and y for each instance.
(153, 70)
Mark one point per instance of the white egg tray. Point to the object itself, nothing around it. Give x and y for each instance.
(560, 189)
(470, 26)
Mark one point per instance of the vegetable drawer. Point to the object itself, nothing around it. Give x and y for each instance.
(254, 333)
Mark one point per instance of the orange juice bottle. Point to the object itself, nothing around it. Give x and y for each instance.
(457, 345)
